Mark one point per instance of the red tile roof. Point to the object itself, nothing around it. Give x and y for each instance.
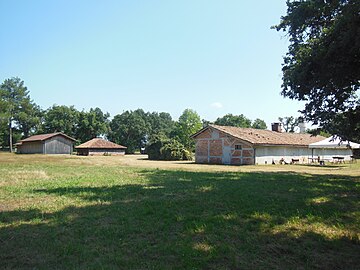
(99, 143)
(43, 137)
(266, 137)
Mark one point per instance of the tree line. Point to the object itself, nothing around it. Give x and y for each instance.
(21, 117)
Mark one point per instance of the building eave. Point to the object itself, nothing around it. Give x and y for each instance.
(281, 145)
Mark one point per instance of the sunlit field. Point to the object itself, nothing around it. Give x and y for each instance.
(131, 213)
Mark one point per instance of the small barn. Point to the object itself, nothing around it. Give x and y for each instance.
(98, 146)
(247, 146)
(52, 143)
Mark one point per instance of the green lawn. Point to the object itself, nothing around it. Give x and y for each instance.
(59, 213)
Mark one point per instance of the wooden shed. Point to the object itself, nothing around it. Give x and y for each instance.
(53, 143)
(247, 146)
(98, 146)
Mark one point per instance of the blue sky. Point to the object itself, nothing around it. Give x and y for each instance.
(215, 57)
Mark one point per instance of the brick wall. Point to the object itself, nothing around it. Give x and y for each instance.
(216, 147)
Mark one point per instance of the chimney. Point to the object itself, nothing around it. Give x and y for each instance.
(302, 126)
(276, 127)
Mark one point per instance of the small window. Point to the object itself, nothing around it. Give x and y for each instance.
(237, 146)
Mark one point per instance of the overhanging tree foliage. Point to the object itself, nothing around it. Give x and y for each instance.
(322, 66)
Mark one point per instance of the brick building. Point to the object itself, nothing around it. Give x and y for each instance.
(247, 146)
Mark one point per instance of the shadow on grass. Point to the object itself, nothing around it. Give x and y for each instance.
(197, 220)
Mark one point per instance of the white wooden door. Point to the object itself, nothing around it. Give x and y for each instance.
(226, 155)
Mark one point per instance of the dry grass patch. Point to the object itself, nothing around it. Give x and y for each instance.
(299, 227)
(204, 247)
(21, 176)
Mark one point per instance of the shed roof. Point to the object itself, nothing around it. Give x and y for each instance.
(334, 143)
(266, 137)
(43, 137)
(98, 143)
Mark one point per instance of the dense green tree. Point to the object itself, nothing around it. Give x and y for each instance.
(129, 129)
(3, 135)
(188, 124)
(259, 124)
(233, 120)
(289, 123)
(16, 107)
(92, 124)
(322, 65)
(29, 119)
(159, 123)
(61, 119)
(4, 138)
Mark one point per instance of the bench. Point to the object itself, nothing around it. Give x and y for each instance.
(338, 159)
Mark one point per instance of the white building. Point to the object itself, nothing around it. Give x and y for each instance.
(329, 148)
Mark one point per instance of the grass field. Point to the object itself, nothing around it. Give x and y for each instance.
(68, 212)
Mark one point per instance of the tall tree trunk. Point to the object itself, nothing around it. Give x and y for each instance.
(10, 136)
(26, 131)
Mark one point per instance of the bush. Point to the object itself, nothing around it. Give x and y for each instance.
(174, 150)
(154, 146)
(167, 149)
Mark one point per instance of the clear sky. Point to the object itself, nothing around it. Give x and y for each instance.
(215, 57)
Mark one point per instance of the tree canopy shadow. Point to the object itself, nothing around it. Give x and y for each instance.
(197, 220)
